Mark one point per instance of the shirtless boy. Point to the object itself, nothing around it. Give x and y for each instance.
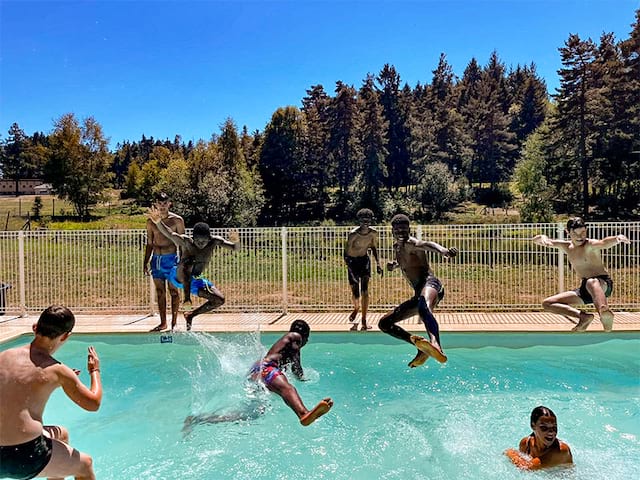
(270, 371)
(163, 260)
(360, 241)
(28, 377)
(412, 259)
(596, 285)
(541, 448)
(196, 253)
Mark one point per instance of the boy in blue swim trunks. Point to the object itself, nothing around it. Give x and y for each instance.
(195, 256)
(164, 258)
(596, 285)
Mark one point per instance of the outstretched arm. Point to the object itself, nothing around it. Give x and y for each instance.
(609, 242)
(232, 244)
(154, 215)
(545, 241)
(429, 246)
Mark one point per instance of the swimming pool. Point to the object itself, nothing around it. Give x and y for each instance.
(449, 421)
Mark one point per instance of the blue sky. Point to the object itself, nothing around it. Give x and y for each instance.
(162, 68)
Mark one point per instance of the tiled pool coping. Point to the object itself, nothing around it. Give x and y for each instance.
(12, 326)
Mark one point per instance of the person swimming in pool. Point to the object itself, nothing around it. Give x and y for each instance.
(596, 285)
(541, 448)
(411, 257)
(28, 376)
(270, 371)
(195, 256)
(164, 258)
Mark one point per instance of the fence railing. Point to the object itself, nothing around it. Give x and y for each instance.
(498, 268)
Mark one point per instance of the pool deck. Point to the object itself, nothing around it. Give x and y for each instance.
(12, 326)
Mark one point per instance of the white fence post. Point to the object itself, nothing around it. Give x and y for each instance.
(23, 296)
(560, 227)
(284, 270)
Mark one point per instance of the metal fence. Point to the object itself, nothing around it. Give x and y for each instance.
(498, 268)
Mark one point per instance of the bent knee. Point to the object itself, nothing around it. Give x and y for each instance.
(86, 465)
(593, 283)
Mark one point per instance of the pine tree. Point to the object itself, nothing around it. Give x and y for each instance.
(574, 117)
(397, 160)
(374, 146)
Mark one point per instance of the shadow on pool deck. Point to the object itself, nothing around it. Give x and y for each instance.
(12, 326)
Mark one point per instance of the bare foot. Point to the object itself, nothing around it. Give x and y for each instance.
(420, 358)
(364, 327)
(585, 321)
(354, 328)
(354, 314)
(606, 317)
(160, 328)
(320, 409)
(429, 348)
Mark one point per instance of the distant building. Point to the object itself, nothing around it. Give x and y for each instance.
(43, 189)
(26, 186)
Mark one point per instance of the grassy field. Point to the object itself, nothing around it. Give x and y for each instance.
(57, 214)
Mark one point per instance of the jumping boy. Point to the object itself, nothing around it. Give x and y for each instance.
(360, 241)
(596, 285)
(410, 256)
(270, 371)
(195, 256)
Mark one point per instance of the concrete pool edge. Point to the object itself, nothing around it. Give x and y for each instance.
(469, 322)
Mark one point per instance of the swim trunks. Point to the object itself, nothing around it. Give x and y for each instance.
(26, 460)
(584, 294)
(266, 370)
(197, 282)
(433, 282)
(161, 265)
(358, 267)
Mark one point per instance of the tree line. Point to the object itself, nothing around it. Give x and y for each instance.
(487, 135)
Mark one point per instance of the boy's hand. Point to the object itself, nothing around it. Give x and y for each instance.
(623, 239)
(391, 266)
(542, 240)
(93, 361)
(380, 270)
(153, 214)
(451, 252)
(234, 237)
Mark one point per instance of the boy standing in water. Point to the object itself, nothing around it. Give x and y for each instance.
(360, 241)
(596, 285)
(542, 447)
(28, 376)
(196, 253)
(412, 259)
(163, 260)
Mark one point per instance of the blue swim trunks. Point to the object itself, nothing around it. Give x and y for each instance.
(197, 283)
(161, 265)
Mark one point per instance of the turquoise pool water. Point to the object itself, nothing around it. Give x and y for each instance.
(449, 421)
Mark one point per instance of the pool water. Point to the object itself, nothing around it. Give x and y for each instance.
(449, 421)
